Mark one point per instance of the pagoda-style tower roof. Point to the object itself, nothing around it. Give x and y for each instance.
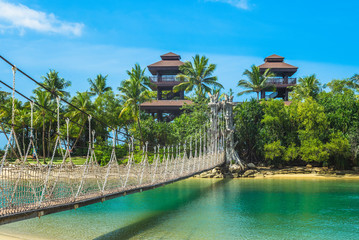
(163, 80)
(168, 65)
(278, 66)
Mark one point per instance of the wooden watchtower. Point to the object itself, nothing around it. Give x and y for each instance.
(283, 76)
(168, 103)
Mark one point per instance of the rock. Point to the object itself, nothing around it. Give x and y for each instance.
(339, 173)
(309, 166)
(17, 162)
(203, 175)
(214, 171)
(249, 173)
(251, 166)
(235, 168)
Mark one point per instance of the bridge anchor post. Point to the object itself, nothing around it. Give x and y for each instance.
(230, 153)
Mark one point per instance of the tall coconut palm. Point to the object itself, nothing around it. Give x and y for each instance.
(22, 120)
(197, 76)
(56, 84)
(43, 98)
(98, 85)
(83, 103)
(5, 119)
(133, 92)
(308, 86)
(256, 81)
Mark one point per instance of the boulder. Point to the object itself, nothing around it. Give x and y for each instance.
(251, 166)
(249, 173)
(203, 175)
(235, 168)
(309, 166)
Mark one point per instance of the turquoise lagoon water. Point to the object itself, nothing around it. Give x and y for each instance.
(212, 209)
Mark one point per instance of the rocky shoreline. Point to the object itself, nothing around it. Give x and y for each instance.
(252, 171)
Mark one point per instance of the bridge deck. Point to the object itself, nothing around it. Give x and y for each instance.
(13, 214)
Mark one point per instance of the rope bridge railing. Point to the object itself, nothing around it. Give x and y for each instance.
(27, 187)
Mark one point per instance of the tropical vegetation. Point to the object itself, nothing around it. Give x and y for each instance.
(320, 126)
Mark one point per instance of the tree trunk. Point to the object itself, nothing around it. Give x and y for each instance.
(43, 140)
(36, 138)
(78, 137)
(257, 96)
(49, 140)
(23, 141)
(12, 148)
(139, 126)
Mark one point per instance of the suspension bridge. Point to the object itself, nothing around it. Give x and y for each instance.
(30, 190)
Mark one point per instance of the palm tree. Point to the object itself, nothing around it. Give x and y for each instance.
(43, 98)
(22, 120)
(197, 76)
(308, 86)
(98, 85)
(56, 84)
(5, 118)
(256, 82)
(133, 92)
(83, 103)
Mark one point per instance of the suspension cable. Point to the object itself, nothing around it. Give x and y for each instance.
(47, 109)
(56, 95)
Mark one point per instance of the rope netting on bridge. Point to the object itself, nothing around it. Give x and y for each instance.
(32, 186)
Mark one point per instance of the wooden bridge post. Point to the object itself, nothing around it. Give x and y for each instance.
(231, 154)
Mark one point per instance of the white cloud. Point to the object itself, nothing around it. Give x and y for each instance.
(20, 17)
(242, 4)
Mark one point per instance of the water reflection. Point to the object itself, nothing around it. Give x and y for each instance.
(154, 219)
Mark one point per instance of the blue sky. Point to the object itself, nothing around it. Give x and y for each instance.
(83, 38)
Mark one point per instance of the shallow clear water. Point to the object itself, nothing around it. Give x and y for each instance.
(213, 209)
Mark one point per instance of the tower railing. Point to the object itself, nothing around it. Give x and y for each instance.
(280, 80)
(166, 78)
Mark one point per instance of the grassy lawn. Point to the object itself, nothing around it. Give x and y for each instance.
(57, 160)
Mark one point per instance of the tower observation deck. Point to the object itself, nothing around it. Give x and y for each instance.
(168, 104)
(283, 76)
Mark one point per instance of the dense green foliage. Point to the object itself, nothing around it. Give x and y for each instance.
(318, 127)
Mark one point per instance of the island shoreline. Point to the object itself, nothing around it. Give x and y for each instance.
(237, 172)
